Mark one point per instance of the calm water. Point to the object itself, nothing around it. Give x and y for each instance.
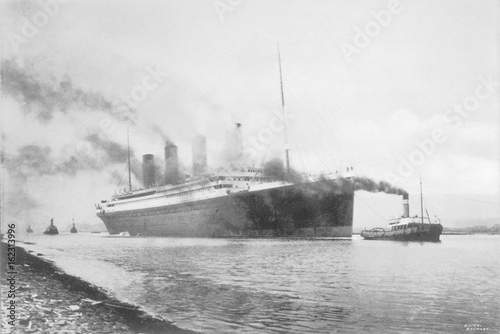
(294, 286)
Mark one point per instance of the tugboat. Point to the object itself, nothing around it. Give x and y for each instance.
(52, 229)
(407, 228)
(73, 229)
(29, 230)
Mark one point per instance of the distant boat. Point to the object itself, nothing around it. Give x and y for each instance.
(73, 229)
(29, 230)
(406, 227)
(52, 229)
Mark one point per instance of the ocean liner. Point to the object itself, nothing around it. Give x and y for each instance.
(236, 202)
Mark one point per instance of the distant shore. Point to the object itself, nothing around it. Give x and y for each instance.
(50, 301)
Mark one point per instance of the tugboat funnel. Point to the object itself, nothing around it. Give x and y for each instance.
(406, 206)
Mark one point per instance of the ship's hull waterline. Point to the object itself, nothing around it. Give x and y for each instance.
(315, 209)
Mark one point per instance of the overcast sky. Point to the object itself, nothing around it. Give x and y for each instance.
(369, 84)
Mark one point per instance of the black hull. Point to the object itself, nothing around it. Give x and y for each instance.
(425, 232)
(317, 209)
(51, 230)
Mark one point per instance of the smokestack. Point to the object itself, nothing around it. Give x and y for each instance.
(406, 206)
(234, 144)
(171, 164)
(239, 141)
(199, 145)
(148, 170)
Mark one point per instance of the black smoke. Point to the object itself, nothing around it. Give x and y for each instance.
(275, 169)
(45, 98)
(30, 161)
(113, 153)
(364, 183)
(36, 160)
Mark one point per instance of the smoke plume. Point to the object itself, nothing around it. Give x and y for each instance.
(34, 160)
(44, 98)
(38, 160)
(113, 153)
(275, 169)
(364, 183)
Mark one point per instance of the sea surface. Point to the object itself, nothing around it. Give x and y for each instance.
(293, 286)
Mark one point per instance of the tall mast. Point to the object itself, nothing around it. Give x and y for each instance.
(284, 115)
(128, 154)
(421, 200)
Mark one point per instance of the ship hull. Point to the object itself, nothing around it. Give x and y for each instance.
(316, 209)
(423, 232)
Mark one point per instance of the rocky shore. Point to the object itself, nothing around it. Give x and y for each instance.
(50, 301)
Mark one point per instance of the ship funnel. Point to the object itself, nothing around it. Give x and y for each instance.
(148, 170)
(234, 144)
(199, 146)
(171, 164)
(406, 206)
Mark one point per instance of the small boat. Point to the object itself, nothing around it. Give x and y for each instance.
(407, 228)
(73, 229)
(29, 230)
(52, 229)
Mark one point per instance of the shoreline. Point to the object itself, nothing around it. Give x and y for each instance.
(51, 301)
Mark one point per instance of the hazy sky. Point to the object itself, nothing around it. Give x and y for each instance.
(372, 84)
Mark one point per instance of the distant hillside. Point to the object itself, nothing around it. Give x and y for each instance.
(471, 222)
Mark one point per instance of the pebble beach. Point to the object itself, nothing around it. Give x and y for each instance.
(50, 301)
